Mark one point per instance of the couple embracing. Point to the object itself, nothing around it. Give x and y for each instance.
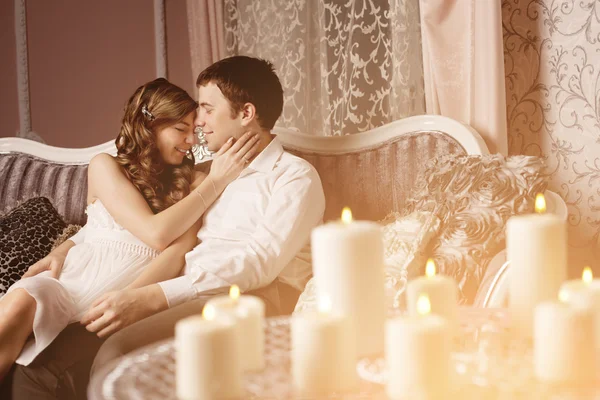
(164, 235)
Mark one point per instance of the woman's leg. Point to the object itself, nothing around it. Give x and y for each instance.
(17, 310)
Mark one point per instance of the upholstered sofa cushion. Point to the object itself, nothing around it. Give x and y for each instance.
(375, 181)
(26, 235)
(405, 239)
(474, 196)
(23, 176)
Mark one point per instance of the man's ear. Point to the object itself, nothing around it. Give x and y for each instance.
(248, 114)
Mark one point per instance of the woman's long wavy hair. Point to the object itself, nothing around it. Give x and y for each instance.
(162, 185)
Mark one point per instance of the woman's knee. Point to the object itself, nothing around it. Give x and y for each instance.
(17, 305)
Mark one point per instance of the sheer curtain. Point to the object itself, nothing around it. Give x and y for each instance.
(464, 65)
(350, 65)
(346, 65)
(207, 33)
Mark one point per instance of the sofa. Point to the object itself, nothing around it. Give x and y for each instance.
(374, 173)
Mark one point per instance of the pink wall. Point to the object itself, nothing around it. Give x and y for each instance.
(85, 60)
(178, 47)
(9, 105)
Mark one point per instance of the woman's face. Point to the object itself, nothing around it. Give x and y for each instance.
(175, 141)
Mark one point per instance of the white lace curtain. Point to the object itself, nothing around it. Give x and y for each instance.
(346, 65)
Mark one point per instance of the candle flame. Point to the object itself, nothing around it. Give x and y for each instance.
(346, 215)
(540, 203)
(430, 269)
(209, 313)
(234, 292)
(324, 305)
(423, 305)
(563, 296)
(587, 275)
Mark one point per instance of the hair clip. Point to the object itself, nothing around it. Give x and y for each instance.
(147, 113)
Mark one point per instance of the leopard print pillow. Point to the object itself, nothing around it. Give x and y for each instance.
(27, 233)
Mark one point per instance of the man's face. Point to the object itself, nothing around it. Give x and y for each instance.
(215, 118)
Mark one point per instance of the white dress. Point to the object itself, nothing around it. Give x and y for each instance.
(109, 258)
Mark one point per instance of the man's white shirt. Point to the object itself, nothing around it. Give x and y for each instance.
(253, 232)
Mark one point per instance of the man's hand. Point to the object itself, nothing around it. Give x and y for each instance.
(114, 311)
(53, 262)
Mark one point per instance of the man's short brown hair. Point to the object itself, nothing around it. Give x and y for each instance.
(243, 80)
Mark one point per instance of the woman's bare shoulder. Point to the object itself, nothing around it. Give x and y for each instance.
(104, 167)
(104, 161)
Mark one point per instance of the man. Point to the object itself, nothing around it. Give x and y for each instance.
(249, 237)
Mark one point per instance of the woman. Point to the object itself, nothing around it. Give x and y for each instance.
(140, 203)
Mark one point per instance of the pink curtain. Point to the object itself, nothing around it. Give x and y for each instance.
(207, 33)
(463, 61)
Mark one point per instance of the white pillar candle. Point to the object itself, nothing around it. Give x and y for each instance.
(441, 291)
(348, 269)
(323, 353)
(417, 352)
(249, 312)
(536, 246)
(564, 343)
(207, 358)
(584, 292)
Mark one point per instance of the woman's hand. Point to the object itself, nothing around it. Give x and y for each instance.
(53, 262)
(232, 158)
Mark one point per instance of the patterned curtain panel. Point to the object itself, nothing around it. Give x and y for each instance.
(346, 65)
(552, 59)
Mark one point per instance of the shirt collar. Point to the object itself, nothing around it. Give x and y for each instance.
(266, 160)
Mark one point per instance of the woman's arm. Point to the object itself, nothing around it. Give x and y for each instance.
(107, 182)
(170, 262)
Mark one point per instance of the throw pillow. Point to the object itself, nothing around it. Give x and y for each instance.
(405, 240)
(474, 196)
(27, 233)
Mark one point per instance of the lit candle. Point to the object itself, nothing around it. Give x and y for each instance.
(441, 291)
(564, 343)
(348, 267)
(417, 352)
(584, 292)
(323, 352)
(574, 288)
(536, 246)
(207, 357)
(249, 312)
(540, 203)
